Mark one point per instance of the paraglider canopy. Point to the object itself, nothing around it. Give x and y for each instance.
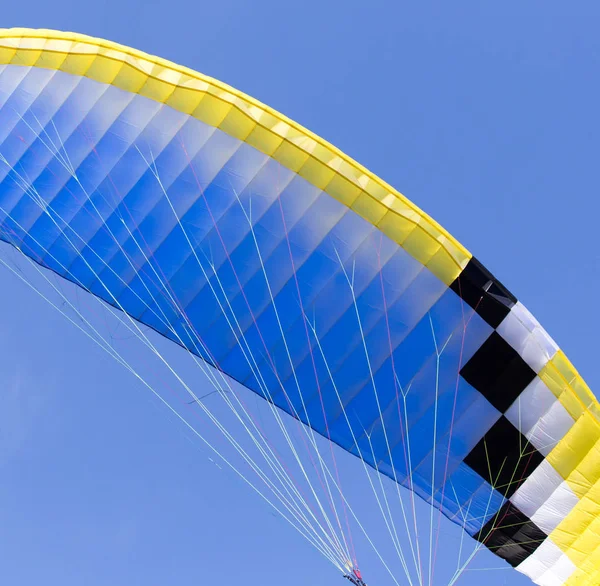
(267, 253)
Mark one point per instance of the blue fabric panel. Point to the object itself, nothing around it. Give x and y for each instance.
(282, 286)
(469, 500)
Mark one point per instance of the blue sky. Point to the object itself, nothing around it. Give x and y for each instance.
(483, 114)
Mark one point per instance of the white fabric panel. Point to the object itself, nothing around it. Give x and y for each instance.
(551, 428)
(558, 574)
(532, 567)
(541, 560)
(549, 579)
(563, 568)
(525, 334)
(537, 489)
(530, 405)
(555, 509)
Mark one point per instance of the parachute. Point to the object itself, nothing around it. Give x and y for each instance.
(272, 256)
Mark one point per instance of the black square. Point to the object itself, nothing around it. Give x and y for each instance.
(504, 457)
(484, 293)
(498, 372)
(511, 535)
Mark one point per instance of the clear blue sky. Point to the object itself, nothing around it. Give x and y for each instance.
(485, 114)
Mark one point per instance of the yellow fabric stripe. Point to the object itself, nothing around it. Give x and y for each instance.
(577, 459)
(568, 386)
(588, 574)
(241, 116)
(569, 455)
(570, 535)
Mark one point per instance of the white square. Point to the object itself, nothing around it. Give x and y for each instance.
(563, 568)
(541, 560)
(537, 489)
(527, 409)
(558, 574)
(550, 429)
(555, 508)
(549, 579)
(525, 334)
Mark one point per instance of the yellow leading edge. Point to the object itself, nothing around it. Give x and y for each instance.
(245, 118)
